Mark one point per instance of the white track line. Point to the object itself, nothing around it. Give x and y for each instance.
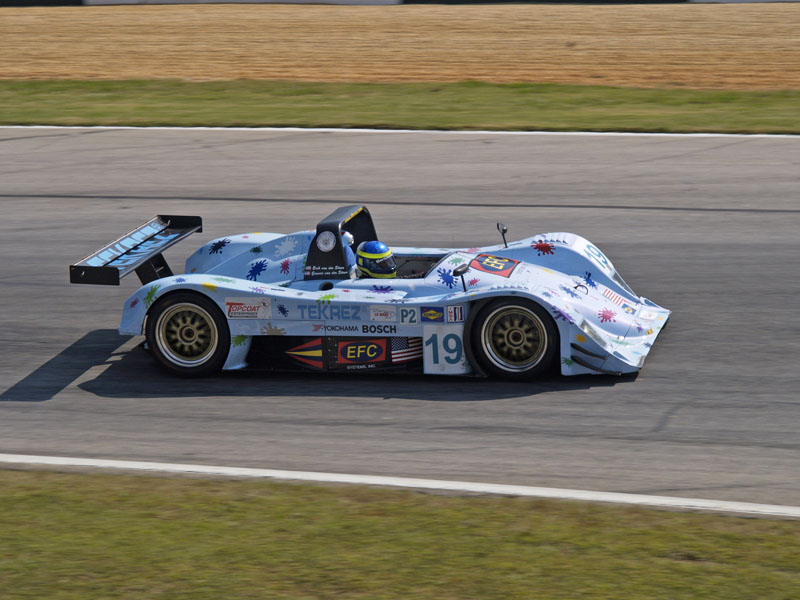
(419, 131)
(424, 484)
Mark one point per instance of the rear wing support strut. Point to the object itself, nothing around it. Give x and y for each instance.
(139, 250)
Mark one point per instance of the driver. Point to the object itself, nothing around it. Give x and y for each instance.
(375, 259)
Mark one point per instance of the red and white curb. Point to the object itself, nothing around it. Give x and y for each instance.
(694, 504)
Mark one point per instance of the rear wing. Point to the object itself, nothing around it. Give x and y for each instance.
(139, 250)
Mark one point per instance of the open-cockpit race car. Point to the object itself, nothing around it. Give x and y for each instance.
(296, 302)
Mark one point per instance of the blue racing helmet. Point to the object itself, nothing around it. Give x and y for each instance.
(375, 259)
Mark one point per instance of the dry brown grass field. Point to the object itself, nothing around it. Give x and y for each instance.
(755, 47)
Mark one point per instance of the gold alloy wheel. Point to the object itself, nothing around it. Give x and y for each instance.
(514, 338)
(186, 335)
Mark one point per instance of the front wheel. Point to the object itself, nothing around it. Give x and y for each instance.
(514, 339)
(188, 334)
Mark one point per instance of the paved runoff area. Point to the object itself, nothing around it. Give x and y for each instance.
(704, 225)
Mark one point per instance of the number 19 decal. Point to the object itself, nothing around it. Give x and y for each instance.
(451, 348)
(594, 253)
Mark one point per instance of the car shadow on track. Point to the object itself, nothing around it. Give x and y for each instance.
(94, 349)
(134, 374)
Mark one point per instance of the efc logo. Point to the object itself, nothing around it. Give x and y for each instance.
(496, 265)
(432, 313)
(366, 351)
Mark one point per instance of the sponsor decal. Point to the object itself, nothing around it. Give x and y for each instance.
(409, 315)
(455, 314)
(497, 265)
(331, 312)
(326, 241)
(383, 313)
(309, 353)
(647, 315)
(614, 297)
(248, 308)
(405, 349)
(433, 314)
(378, 329)
(361, 352)
(628, 309)
(339, 328)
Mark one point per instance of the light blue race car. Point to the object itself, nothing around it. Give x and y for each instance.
(295, 302)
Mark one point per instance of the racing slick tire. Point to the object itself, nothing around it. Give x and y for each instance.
(188, 334)
(514, 338)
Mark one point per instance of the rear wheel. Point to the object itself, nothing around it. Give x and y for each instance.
(514, 339)
(188, 334)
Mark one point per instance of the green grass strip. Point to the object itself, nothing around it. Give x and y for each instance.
(466, 105)
(67, 536)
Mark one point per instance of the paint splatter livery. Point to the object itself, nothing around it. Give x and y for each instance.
(151, 295)
(326, 299)
(607, 315)
(259, 289)
(567, 361)
(473, 282)
(589, 281)
(216, 247)
(210, 287)
(256, 269)
(285, 247)
(285, 266)
(272, 330)
(134, 302)
(283, 310)
(256, 249)
(569, 292)
(561, 315)
(224, 279)
(446, 277)
(456, 260)
(543, 248)
(238, 340)
(382, 289)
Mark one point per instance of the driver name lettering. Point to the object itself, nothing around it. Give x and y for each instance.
(332, 312)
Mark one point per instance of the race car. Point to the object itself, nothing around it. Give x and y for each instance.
(298, 302)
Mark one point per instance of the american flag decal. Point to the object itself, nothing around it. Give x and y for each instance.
(406, 349)
(614, 297)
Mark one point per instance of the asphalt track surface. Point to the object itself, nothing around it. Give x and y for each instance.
(706, 226)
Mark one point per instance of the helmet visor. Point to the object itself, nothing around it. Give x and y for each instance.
(386, 264)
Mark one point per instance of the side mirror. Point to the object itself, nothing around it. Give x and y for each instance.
(501, 227)
(459, 272)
